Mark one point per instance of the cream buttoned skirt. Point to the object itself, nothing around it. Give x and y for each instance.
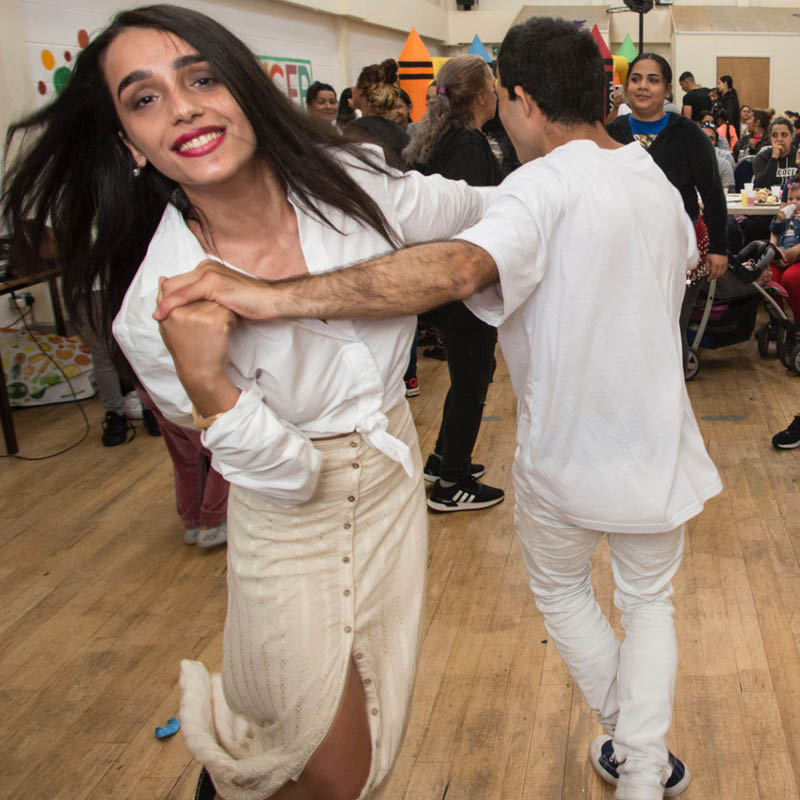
(308, 587)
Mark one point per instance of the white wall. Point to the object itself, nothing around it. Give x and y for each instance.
(698, 54)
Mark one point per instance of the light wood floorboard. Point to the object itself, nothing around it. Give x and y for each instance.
(101, 599)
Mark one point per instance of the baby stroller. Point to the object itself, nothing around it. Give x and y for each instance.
(725, 313)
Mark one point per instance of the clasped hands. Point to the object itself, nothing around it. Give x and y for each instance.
(197, 312)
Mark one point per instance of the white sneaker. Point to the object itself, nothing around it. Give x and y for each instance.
(190, 535)
(133, 406)
(213, 537)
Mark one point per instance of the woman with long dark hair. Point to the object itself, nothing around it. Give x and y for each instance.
(686, 157)
(448, 141)
(756, 137)
(171, 146)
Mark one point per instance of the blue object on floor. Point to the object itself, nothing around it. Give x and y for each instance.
(170, 729)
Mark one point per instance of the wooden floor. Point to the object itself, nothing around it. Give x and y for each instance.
(100, 599)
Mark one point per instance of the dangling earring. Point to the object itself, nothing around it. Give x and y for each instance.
(137, 171)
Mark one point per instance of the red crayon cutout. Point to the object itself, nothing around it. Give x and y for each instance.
(608, 66)
(415, 73)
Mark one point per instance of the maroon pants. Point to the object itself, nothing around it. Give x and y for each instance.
(789, 278)
(201, 492)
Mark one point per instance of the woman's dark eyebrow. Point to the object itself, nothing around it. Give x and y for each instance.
(143, 74)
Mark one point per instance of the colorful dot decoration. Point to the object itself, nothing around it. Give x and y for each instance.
(62, 74)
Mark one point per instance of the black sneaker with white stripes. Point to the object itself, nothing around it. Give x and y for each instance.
(467, 495)
(604, 760)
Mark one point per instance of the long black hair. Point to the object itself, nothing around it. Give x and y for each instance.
(73, 173)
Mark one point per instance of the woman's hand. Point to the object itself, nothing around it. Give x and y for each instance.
(197, 336)
(210, 280)
(716, 265)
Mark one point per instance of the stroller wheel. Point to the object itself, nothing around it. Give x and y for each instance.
(762, 337)
(780, 344)
(692, 366)
(791, 341)
(794, 359)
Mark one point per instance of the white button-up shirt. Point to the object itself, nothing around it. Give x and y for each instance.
(305, 378)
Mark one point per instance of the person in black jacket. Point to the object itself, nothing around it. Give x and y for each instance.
(448, 141)
(688, 160)
(729, 101)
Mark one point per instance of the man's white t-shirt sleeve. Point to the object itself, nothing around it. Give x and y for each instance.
(431, 208)
(513, 233)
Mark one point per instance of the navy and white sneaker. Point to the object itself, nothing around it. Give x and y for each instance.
(205, 787)
(467, 495)
(433, 467)
(605, 763)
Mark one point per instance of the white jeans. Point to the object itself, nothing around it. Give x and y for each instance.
(630, 685)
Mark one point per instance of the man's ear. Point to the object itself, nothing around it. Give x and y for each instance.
(527, 103)
(138, 157)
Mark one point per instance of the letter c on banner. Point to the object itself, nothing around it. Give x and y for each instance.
(280, 83)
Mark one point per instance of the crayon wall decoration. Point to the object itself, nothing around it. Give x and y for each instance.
(608, 67)
(415, 73)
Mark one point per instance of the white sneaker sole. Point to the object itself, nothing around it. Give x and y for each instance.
(437, 505)
(215, 537)
(595, 751)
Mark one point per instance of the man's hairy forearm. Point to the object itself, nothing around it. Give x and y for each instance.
(406, 282)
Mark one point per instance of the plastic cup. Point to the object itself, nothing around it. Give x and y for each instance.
(776, 190)
(748, 187)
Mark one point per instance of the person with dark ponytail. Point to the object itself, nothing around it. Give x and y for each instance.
(171, 147)
(449, 142)
(346, 111)
(729, 101)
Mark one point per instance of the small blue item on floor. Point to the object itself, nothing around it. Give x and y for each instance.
(170, 729)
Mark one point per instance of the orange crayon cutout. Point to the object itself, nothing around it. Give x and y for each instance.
(415, 73)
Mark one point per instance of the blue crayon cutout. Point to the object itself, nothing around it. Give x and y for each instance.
(170, 729)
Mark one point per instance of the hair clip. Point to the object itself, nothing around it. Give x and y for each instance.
(442, 90)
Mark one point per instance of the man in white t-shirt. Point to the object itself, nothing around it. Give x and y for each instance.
(580, 261)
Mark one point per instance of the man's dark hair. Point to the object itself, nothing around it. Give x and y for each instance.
(685, 76)
(558, 65)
